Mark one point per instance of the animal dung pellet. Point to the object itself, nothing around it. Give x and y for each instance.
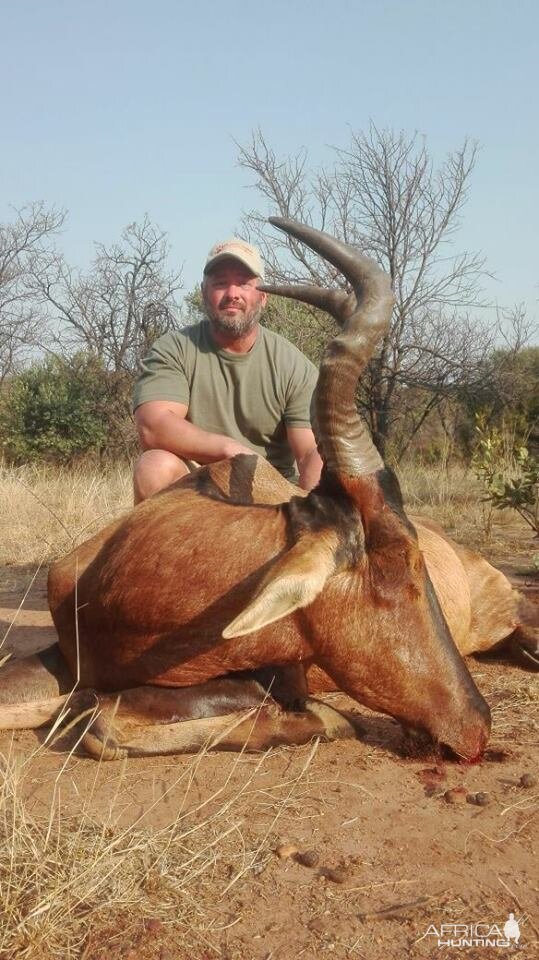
(496, 756)
(480, 799)
(527, 780)
(286, 850)
(335, 874)
(307, 858)
(456, 795)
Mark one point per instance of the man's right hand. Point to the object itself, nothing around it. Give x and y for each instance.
(233, 447)
(162, 425)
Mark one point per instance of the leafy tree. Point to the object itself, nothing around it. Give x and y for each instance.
(506, 399)
(514, 385)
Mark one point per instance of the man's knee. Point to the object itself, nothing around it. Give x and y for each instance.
(154, 470)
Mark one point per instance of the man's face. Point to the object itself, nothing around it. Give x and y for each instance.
(233, 303)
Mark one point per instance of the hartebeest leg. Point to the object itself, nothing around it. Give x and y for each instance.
(286, 684)
(523, 647)
(223, 714)
(231, 713)
(34, 689)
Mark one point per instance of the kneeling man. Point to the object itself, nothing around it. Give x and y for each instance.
(225, 386)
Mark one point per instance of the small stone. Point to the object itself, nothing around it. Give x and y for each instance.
(482, 799)
(309, 858)
(456, 795)
(335, 874)
(528, 780)
(286, 850)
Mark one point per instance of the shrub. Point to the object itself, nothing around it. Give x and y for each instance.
(56, 410)
(510, 476)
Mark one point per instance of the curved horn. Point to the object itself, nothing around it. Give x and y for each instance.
(344, 442)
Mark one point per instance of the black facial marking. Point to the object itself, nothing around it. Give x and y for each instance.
(391, 489)
(328, 509)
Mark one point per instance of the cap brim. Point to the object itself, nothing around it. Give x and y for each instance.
(231, 256)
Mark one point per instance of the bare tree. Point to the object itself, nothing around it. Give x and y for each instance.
(124, 301)
(24, 250)
(384, 195)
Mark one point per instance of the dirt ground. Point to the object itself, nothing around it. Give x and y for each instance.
(345, 850)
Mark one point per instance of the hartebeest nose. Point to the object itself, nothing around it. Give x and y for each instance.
(465, 728)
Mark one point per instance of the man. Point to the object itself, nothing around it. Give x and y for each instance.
(225, 386)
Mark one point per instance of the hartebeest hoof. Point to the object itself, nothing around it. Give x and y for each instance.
(523, 647)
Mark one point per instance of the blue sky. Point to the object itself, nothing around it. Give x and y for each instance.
(115, 109)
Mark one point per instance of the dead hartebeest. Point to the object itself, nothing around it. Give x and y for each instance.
(230, 578)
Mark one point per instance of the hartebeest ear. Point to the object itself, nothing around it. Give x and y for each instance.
(294, 582)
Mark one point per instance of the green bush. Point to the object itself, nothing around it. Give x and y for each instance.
(510, 475)
(56, 410)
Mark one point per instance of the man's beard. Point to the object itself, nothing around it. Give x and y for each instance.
(237, 326)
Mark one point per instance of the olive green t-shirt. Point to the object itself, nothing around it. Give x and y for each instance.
(250, 397)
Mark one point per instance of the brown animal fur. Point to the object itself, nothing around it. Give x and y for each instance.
(231, 573)
(142, 649)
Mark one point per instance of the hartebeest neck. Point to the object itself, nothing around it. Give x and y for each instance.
(279, 644)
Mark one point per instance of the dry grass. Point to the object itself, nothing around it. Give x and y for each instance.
(513, 698)
(50, 510)
(47, 511)
(453, 496)
(74, 854)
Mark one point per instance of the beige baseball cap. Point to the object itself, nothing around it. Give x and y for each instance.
(238, 250)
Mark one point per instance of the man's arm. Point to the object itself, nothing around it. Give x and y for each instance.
(162, 425)
(309, 463)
